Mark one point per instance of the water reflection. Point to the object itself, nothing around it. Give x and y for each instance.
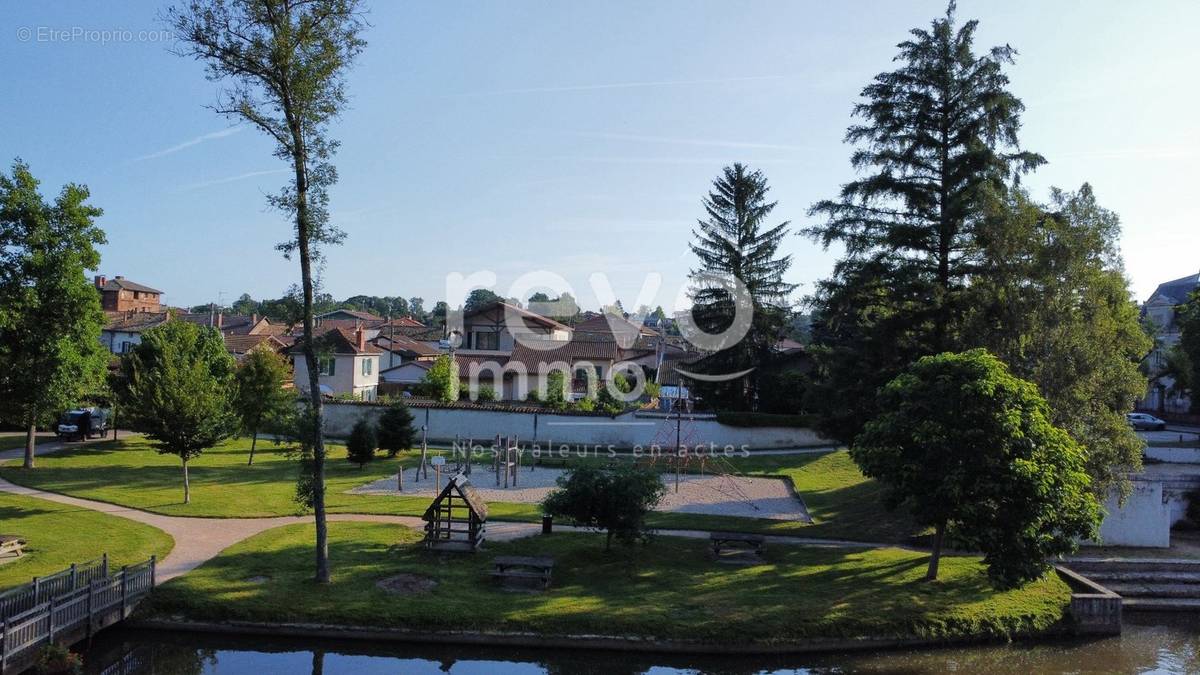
(1150, 644)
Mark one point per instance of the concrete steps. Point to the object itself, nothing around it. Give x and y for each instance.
(1171, 584)
(1126, 590)
(1162, 604)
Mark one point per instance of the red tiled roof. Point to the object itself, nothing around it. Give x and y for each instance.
(615, 325)
(341, 341)
(134, 322)
(403, 343)
(241, 344)
(121, 283)
(524, 313)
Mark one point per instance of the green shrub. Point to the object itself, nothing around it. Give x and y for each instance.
(486, 394)
(360, 447)
(614, 499)
(396, 432)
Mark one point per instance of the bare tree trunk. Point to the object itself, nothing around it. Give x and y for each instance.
(310, 357)
(187, 488)
(253, 442)
(936, 555)
(30, 444)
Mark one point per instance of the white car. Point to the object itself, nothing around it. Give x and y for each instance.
(1144, 422)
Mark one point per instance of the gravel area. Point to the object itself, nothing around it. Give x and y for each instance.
(719, 495)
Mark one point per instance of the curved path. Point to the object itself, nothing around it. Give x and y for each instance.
(198, 540)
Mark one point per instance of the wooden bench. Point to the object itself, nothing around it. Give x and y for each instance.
(11, 545)
(736, 541)
(535, 568)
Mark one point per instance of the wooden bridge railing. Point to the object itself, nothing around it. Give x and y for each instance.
(89, 602)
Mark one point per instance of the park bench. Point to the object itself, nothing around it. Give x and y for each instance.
(11, 545)
(736, 541)
(524, 568)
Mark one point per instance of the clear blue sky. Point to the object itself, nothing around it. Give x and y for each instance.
(575, 137)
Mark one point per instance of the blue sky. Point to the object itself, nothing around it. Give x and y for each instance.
(574, 137)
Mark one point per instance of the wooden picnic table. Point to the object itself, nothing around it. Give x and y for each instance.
(11, 544)
(537, 568)
(738, 540)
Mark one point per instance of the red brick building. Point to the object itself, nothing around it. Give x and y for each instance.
(122, 295)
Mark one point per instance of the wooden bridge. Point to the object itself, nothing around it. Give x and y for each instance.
(67, 607)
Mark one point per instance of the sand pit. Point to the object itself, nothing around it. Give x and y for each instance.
(720, 495)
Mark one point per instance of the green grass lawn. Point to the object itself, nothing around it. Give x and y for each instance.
(667, 588)
(129, 472)
(58, 535)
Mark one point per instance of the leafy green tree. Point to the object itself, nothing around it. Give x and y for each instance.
(245, 305)
(1183, 359)
(555, 395)
(286, 63)
(937, 140)
(964, 443)
(614, 499)
(261, 398)
(178, 388)
(607, 402)
(1052, 301)
(479, 298)
(50, 317)
(395, 431)
(360, 447)
(441, 381)
(735, 243)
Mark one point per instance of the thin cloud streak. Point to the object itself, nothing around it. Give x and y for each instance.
(230, 179)
(189, 143)
(622, 85)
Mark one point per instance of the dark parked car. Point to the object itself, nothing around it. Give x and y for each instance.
(1144, 422)
(81, 424)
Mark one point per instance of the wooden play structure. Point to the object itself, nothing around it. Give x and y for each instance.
(455, 520)
(506, 460)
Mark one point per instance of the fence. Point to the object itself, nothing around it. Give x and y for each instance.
(70, 604)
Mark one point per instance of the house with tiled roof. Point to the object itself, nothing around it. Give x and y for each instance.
(123, 330)
(1159, 310)
(234, 324)
(349, 315)
(400, 349)
(119, 294)
(241, 345)
(347, 362)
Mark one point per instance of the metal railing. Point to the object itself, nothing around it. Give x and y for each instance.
(78, 597)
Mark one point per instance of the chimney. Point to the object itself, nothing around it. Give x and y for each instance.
(100, 281)
(220, 320)
(254, 319)
(361, 338)
(118, 277)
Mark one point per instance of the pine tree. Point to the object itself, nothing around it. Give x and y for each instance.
(396, 432)
(735, 243)
(937, 140)
(360, 447)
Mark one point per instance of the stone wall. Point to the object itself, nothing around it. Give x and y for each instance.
(624, 431)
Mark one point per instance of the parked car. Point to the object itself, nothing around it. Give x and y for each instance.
(81, 424)
(1144, 422)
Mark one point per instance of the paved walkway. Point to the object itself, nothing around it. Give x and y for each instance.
(198, 540)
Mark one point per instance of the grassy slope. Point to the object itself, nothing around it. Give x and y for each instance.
(666, 589)
(59, 535)
(843, 503)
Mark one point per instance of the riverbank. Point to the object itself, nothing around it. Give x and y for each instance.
(1150, 643)
(667, 592)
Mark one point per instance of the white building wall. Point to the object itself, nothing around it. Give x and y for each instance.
(1144, 520)
(347, 375)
